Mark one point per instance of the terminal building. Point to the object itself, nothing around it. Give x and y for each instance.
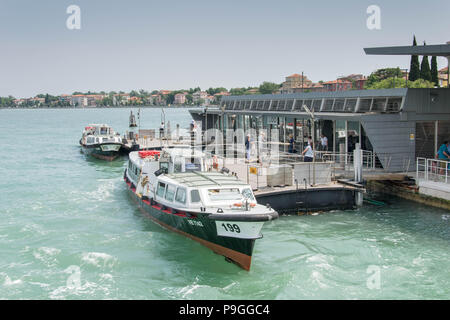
(396, 125)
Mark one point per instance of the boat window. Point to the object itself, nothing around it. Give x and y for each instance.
(103, 130)
(96, 140)
(181, 195)
(248, 194)
(192, 166)
(224, 194)
(161, 189)
(195, 196)
(170, 192)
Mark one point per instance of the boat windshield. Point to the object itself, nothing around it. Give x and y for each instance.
(248, 194)
(224, 194)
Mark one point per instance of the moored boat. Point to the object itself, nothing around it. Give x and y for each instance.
(100, 141)
(213, 208)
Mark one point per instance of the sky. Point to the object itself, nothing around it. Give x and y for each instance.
(175, 44)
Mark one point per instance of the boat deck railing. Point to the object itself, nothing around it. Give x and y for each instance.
(433, 170)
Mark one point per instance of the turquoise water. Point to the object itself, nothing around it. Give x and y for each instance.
(68, 230)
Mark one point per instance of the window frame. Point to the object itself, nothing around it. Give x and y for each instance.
(185, 195)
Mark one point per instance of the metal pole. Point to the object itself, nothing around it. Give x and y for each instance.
(314, 148)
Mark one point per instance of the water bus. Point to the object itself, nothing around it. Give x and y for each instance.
(174, 189)
(100, 141)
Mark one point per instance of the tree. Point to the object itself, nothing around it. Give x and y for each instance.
(200, 102)
(420, 83)
(434, 71)
(399, 83)
(213, 91)
(189, 99)
(425, 71)
(382, 74)
(268, 87)
(237, 91)
(414, 70)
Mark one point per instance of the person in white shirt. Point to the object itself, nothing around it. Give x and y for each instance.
(308, 153)
(323, 142)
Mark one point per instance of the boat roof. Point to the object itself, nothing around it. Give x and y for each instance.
(205, 179)
(98, 125)
(184, 152)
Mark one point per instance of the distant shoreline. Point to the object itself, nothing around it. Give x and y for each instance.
(111, 107)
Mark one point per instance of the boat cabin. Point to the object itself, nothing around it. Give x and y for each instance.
(195, 190)
(99, 133)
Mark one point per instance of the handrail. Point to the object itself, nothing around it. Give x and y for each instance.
(435, 170)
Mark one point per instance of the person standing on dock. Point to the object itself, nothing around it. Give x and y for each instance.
(247, 148)
(443, 154)
(308, 153)
(291, 144)
(323, 142)
(161, 130)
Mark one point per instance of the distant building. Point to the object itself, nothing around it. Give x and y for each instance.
(180, 98)
(121, 98)
(135, 100)
(358, 81)
(253, 91)
(19, 102)
(209, 100)
(92, 99)
(79, 100)
(313, 87)
(65, 98)
(155, 99)
(443, 77)
(199, 95)
(219, 96)
(337, 85)
(294, 82)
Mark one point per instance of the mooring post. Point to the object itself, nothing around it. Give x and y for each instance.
(357, 164)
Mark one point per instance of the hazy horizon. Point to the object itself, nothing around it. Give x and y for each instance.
(155, 45)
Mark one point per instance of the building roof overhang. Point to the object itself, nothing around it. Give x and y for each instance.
(442, 50)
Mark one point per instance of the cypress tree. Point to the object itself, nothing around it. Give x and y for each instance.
(414, 70)
(425, 71)
(434, 71)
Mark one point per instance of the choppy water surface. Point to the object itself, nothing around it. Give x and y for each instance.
(68, 230)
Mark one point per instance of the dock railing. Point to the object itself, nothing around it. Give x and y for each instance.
(433, 170)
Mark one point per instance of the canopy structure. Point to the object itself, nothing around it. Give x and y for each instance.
(441, 50)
